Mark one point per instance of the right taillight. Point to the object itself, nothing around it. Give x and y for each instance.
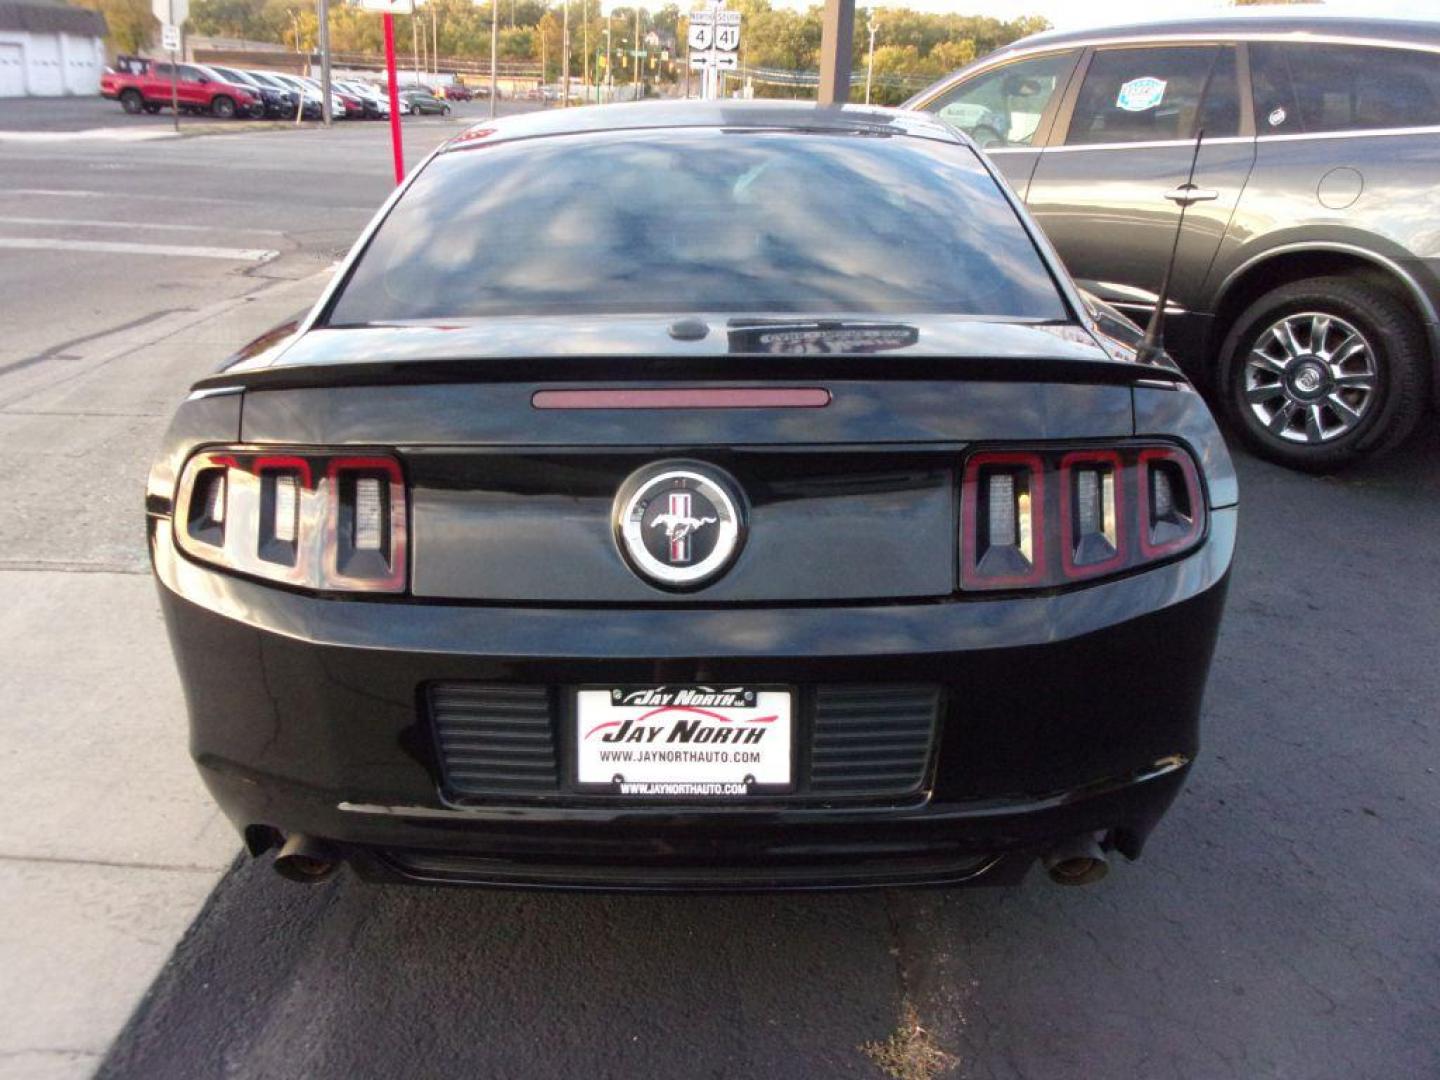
(1050, 517)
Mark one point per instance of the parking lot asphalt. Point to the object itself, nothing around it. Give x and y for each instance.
(1281, 922)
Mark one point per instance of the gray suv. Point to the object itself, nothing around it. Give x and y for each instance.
(1307, 284)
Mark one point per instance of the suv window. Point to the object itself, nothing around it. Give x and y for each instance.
(1313, 88)
(1003, 107)
(160, 71)
(1156, 94)
(681, 221)
(192, 74)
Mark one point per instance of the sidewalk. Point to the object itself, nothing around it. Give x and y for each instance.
(108, 842)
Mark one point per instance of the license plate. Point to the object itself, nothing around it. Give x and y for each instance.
(684, 741)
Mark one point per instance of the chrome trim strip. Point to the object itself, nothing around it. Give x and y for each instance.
(1367, 133)
(1149, 145)
(213, 391)
(1224, 36)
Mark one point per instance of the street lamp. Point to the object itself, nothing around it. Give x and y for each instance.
(870, 64)
(495, 48)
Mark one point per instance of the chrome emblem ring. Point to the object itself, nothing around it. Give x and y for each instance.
(679, 525)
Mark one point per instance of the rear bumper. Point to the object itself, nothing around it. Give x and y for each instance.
(1065, 714)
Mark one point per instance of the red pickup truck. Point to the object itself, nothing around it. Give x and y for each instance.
(197, 90)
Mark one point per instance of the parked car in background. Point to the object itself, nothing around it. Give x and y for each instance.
(376, 102)
(310, 101)
(457, 92)
(340, 109)
(278, 102)
(297, 97)
(194, 90)
(1307, 284)
(417, 102)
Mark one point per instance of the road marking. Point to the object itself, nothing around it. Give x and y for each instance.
(105, 247)
(129, 195)
(99, 134)
(165, 226)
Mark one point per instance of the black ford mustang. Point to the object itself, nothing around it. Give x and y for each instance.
(696, 496)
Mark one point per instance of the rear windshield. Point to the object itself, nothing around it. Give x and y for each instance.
(701, 220)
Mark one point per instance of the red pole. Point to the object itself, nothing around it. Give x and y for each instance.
(395, 140)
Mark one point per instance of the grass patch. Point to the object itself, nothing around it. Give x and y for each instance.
(910, 1053)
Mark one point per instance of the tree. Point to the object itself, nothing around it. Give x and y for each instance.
(130, 23)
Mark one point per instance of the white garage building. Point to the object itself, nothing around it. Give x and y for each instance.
(48, 49)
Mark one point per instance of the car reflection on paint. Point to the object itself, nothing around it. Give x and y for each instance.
(624, 516)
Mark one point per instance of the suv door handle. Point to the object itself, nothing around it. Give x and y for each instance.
(1189, 194)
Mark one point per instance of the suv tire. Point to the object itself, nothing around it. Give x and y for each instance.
(1319, 373)
(132, 101)
(223, 107)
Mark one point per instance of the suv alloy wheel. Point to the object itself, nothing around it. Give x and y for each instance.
(1320, 372)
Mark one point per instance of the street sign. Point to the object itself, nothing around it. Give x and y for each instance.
(714, 39)
(174, 12)
(700, 35)
(170, 37)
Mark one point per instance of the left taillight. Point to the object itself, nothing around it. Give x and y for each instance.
(1056, 516)
(316, 521)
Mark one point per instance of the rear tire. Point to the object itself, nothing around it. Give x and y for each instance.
(223, 107)
(132, 102)
(1322, 372)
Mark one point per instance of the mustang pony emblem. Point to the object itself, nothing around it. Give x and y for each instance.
(679, 523)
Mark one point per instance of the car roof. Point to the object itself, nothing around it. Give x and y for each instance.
(644, 115)
(1268, 21)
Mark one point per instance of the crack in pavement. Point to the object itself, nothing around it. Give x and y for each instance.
(54, 350)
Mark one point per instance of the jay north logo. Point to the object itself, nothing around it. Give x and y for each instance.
(684, 715)
(701, 697)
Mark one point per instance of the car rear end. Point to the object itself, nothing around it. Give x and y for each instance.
(723, 540)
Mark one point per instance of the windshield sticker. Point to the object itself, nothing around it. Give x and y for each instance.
(1138, 95)
(1277, 117)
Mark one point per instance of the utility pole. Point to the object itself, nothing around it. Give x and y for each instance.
(638, 84)
(565, 57)
(870, 63)
(434, 40)
(324, 17)
(585, 56)
(609, 57)
(837, 45)
(415, 45)
(495, 47)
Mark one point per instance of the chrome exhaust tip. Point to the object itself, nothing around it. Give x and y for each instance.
(306, 860)
(1078, 861)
